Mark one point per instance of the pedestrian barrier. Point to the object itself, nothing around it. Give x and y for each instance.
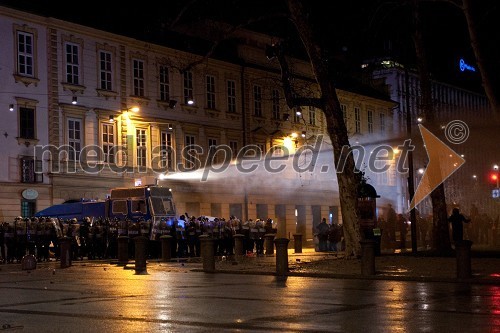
(207, 253)
(269, 239)
(367, 257)
(28, 262)
(140, 254)
(281, 257)
(297, 240)
(462, 249)
(65, 246)
(166, 247)
(122, 250)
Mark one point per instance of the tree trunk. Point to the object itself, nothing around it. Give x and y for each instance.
(349, 179)
(438, 199)
(476, 47)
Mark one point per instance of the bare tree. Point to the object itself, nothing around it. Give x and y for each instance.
(328, 102)
(440, 223)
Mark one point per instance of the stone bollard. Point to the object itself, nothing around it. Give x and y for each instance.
(122, 250)
(281, 257)
(269, 239)
(140, 253)
(207, 253)
(463, 259)
(65, 247)
(297, 241)
(238, 245)
(166, 247)
(367, 257)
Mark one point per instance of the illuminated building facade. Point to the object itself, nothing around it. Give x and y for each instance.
(88, 137)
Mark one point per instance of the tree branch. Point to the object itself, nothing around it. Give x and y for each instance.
(286, 78)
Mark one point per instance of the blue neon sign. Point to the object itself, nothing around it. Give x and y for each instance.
(465, 67)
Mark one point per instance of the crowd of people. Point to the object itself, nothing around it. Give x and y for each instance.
(478, 227)
(330, 237)
(98, 238)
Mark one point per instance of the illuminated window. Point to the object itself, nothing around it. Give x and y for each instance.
(188, 86)
(108, 142)
(370, 120)
(74, 139)
(312, 116)
(28, 207)
(257, 101)
(167, 151)
(276, 103)
(231, 96)
(164, 81)
(25, 54)
(72, 63)
(141, 147)
(105, 71)
(382, 122)
(357, 120)
(138, 77)
(210, 86)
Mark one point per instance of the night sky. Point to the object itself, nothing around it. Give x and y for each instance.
(350, 31)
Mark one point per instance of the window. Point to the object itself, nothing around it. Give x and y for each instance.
(370, 120)
(167, 149)
(231, 96)
(25, 54)
(262, 147)
(27, 123)
(210, 91)
(74, 139)
(257, 101)
(276, 103)
(382, 122)
(31, 170)
(72, 63)
(212, 146)
(189, 158)
(343, 107)
(140, 135)
(28, 207)
(234, 148)
(108, 142)
(105, 71)
(297, 115)
(312, 116)
(138, 75)
(188, 86)
(357, 120)
(164, 84)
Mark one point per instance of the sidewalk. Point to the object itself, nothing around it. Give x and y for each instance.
(485, 266)
(403, 266)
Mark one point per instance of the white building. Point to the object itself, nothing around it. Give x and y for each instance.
(82, 90)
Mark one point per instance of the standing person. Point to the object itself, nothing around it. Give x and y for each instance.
(391, 220)
(322, 233)
(403, 230)
(456, 219)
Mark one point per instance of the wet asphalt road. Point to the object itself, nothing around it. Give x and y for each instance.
(171, 298)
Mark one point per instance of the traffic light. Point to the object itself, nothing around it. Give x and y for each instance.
(494, 177)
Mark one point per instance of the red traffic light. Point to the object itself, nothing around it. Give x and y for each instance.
(494, 177)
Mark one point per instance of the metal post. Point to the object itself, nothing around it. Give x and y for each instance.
(166, 247)
(297, 242)
(411, 185)
(463, 259)
(207, 253)
(65, 247)
(281, 257)
(269, 244)
(367, 257)
(140, 254)
(238, 245)
(122, 250)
